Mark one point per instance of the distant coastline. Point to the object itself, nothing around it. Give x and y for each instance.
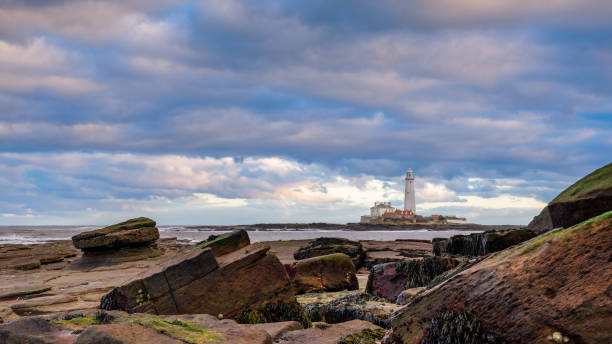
(358, 227)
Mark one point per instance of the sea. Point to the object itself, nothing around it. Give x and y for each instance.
(42, 234)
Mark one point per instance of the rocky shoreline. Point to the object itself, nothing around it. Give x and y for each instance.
(122, 284)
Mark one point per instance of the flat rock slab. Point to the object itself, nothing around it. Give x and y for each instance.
(123, 328)
(138, 231)
(13, 292)
(123, 334)
(33, 306)
(278, 329)
(329, 335)
(34, 331)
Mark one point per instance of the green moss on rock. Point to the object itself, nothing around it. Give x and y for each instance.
(366, 336)
(540, 240)
(276, 312)
(186, 331)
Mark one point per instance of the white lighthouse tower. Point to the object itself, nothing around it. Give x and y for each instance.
(409, 201)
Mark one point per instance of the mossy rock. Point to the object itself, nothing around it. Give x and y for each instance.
(276, 312)
(366, 336)
(226, 243)
(134, 232)
(540, 240)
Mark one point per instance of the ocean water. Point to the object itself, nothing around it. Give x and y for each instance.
(42, 234)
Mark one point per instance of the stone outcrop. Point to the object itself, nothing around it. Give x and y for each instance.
(588, 197)
(135, 232)
(339, 307)
(478, 244)
(248, 285)
(328, 334)
(30, 257)
(226, 243)
(325, 246)
(331, 272)
(388, 280)
(555, 285)
(123, 242)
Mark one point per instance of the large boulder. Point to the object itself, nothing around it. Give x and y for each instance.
(135, 232)
(331, 272)
(325, 246)
(478, 244)
(249, 285)
(226, 243)
(388, 280)
(588, 197)
(552, 288)
(130, 240)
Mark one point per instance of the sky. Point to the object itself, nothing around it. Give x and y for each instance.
(237, 112)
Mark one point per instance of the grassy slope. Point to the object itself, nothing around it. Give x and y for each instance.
(600, 179)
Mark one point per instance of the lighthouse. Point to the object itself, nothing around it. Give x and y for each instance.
(409, 201)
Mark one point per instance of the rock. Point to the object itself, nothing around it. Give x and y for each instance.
(36, 305)
(366, 336)
(114, 327)
(278, 329)
(12, 292)
(96, 258)
(331, 272)
(389, 280)
(344, 306)
(248, 285)
(226, 243)
(123, 334)
(29, 264)
(135, 232)
(406, 295)
(478, 244)
(34, 331)
(588, 197)
(328, 335)
(556, 282)
(325, 246)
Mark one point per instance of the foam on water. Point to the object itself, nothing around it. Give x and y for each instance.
(42, 234)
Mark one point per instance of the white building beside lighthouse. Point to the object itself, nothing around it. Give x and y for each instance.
(382, 212)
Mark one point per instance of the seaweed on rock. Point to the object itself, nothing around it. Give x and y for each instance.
(276, 312)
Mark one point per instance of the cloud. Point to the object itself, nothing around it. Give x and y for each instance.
(297, 107)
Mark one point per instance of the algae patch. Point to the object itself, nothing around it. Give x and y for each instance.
(366, 336)
(561, 233)
(187, 331)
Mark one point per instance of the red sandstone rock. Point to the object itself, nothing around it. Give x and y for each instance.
(390, 279)
(556, 282)
(331, 272)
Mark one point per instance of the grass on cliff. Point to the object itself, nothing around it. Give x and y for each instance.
(599, 179)
(533, 244)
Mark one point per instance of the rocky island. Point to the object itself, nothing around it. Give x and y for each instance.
(546, 283)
